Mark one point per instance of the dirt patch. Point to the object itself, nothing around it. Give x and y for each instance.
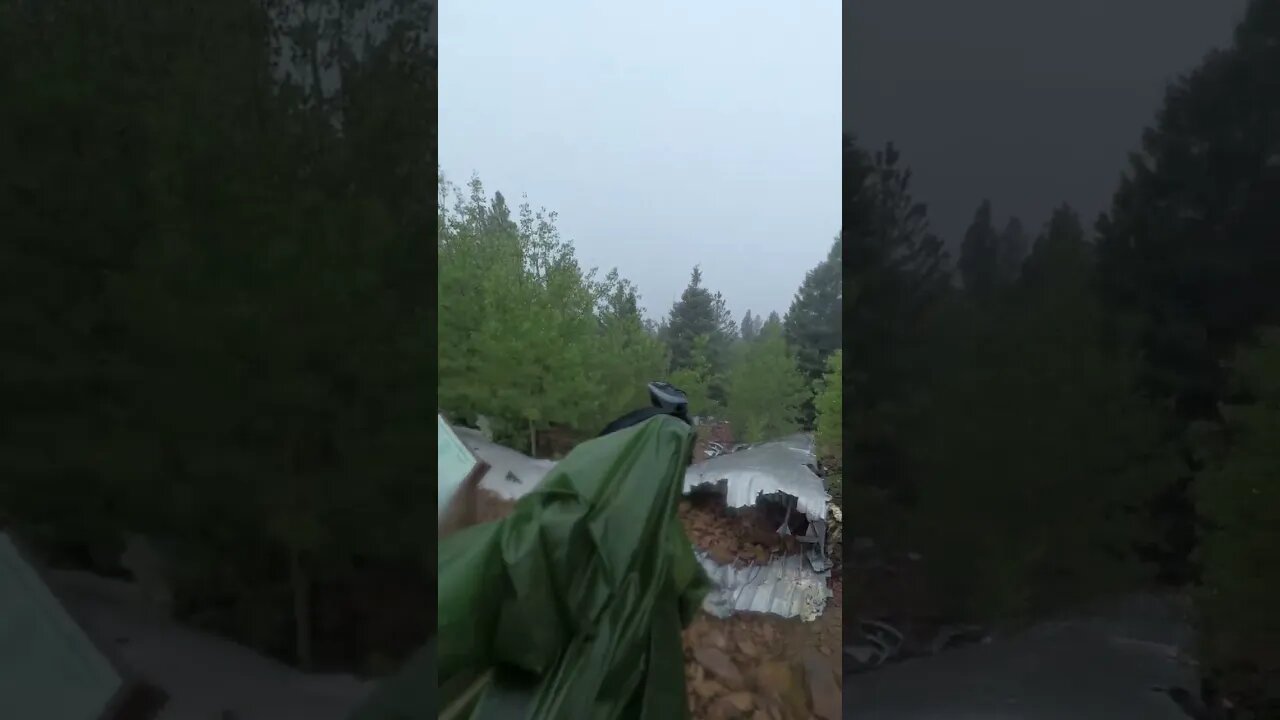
(753, 665)
(763, 666)
(742, 534)
(556, 442)
(491, 506)
(719, 432)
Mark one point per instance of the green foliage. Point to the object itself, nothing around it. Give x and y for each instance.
(979, 253)
(990, 260)
(814, 320)
(699, 313)
(1188, 245)
(1239, 500)
(765, 388)
(215, 313)
(750, 326)
(897, 268)
(1059, 254)
(1028, 433)
(1012, 250)
(527, 337)
(997, 430)
(697, 378)
(829, 404)
(1187, 259)
(1033, 453)
(630, 354)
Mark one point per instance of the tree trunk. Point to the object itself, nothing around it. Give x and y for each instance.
(301, 609)
(533, 440)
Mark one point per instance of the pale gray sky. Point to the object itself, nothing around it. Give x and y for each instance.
(666, 134)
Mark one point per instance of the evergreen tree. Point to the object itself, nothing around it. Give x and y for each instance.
(630, 356)
(1013, 247)
(533, 340)
(829, 405)
(1188, 246)
(980, 255)
(748, 328)
(1187, 259)
(1034, 449)
(765, 389)
(229, 320)
(898, 269)
(1061, 245)
(1240, 502)
(699, 313)
(697, 379)
(814, 320)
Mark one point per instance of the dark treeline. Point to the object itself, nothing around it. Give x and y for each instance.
(1061, 412)
(215, 266)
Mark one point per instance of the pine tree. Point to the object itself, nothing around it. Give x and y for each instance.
(1061, 246)
(765, 388)
(1188, 245)
(979, 255)
(697, 379)
(630, 355)
(236, 315)
(814, 322)
(1012, 251)
(898, 269)
(748, 328)
(699, 313)
(829, 405)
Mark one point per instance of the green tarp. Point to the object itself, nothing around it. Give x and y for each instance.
(572, 606)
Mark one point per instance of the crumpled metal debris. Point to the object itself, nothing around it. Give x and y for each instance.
(880, 643)
(780, 472)
(950, 636)
(785, 586)
(778, 467)
(511, 473)
(814, 540)
(835, 523)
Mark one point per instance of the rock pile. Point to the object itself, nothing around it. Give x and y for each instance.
(759, 667)
(741, 534)
(755, 666)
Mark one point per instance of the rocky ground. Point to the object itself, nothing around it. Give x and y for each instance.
(491, 506)
(754, 665)
(762, 666)
(745, 535)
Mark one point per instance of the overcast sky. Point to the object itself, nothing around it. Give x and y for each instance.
(666, 135)
(1027, 103)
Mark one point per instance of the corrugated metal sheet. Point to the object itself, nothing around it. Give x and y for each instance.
(780, 466)
(786, 586)
(49, 668)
